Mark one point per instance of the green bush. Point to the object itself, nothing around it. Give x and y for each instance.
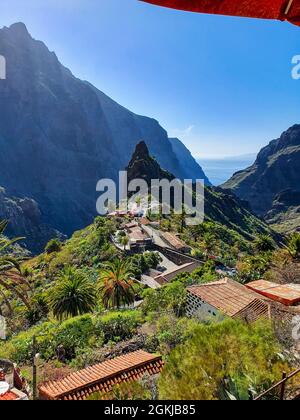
(118, 326)
(231, 351)
(171, 297)
(143, 262)
(53, 246)
(82, 332)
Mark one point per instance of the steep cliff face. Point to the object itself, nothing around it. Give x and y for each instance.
(189, 164)
(272, 184)
(25, 220)
(60, 135)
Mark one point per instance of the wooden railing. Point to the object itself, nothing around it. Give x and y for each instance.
(281, 384)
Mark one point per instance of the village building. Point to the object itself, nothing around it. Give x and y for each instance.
(169, 275)
(226, 298)
(287, 294)
(103, 377)
(174, 242)
(138, 238)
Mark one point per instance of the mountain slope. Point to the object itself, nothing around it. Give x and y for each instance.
(272, 184)
(187, 160)
(220, 207)
(25, 220)
(60, 135)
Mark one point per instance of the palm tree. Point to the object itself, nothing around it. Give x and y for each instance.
(10, 271)
(293, 245)
(73, 295)
(116, 284)
(124, 241)
(264, 243)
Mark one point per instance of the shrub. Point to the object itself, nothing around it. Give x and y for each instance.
(72, 336)
(117, 326)
(171, 297)
(247, 355)
(53, 246)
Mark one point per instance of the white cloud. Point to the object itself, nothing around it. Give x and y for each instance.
(182, 133)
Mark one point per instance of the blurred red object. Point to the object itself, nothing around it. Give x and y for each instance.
(265, 9)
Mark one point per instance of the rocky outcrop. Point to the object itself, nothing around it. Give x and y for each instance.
(272, 184)
(25, 220)
(60, 135)
(143, 166)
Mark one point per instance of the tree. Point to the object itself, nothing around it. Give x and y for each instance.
(116, 285)
(10, 269)
(210, 242)
(220, 352)
(293, 246)
(124, 241)
(73, 295)
(171, 297)
(264, 243)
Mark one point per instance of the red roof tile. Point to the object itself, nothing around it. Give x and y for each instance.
(232, 299)
(169, 275)
(102, 377)
(9, 396)
(173, 240)
(288, 294)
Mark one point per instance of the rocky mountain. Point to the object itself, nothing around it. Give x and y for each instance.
(60, 135)
(221, 207)
(26, 220)
(143, 166)
(272, 184)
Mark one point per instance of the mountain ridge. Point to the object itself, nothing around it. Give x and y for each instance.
(273, 179)
(60, 135)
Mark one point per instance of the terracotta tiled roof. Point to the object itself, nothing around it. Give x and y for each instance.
(144, 221)
(173, 240)
(169, 275)
(232, 299)
(288, 294)
(102, 377)
(136, 233)
(9, 396)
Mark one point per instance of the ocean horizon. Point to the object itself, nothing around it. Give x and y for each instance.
(219, 170)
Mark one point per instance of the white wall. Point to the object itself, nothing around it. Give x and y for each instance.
(197, 308)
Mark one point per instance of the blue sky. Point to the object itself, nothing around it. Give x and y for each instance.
(223, 85)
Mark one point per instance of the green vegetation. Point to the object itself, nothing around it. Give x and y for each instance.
(53, 246)
(264, 243)
(218, 354)
(73, 295)
(11, 278)
(74, 335)
(171, 297)
(293, 245)
(78, 299)
(141, 263)
(116, 285)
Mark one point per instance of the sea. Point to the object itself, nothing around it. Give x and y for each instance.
(220, 170)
